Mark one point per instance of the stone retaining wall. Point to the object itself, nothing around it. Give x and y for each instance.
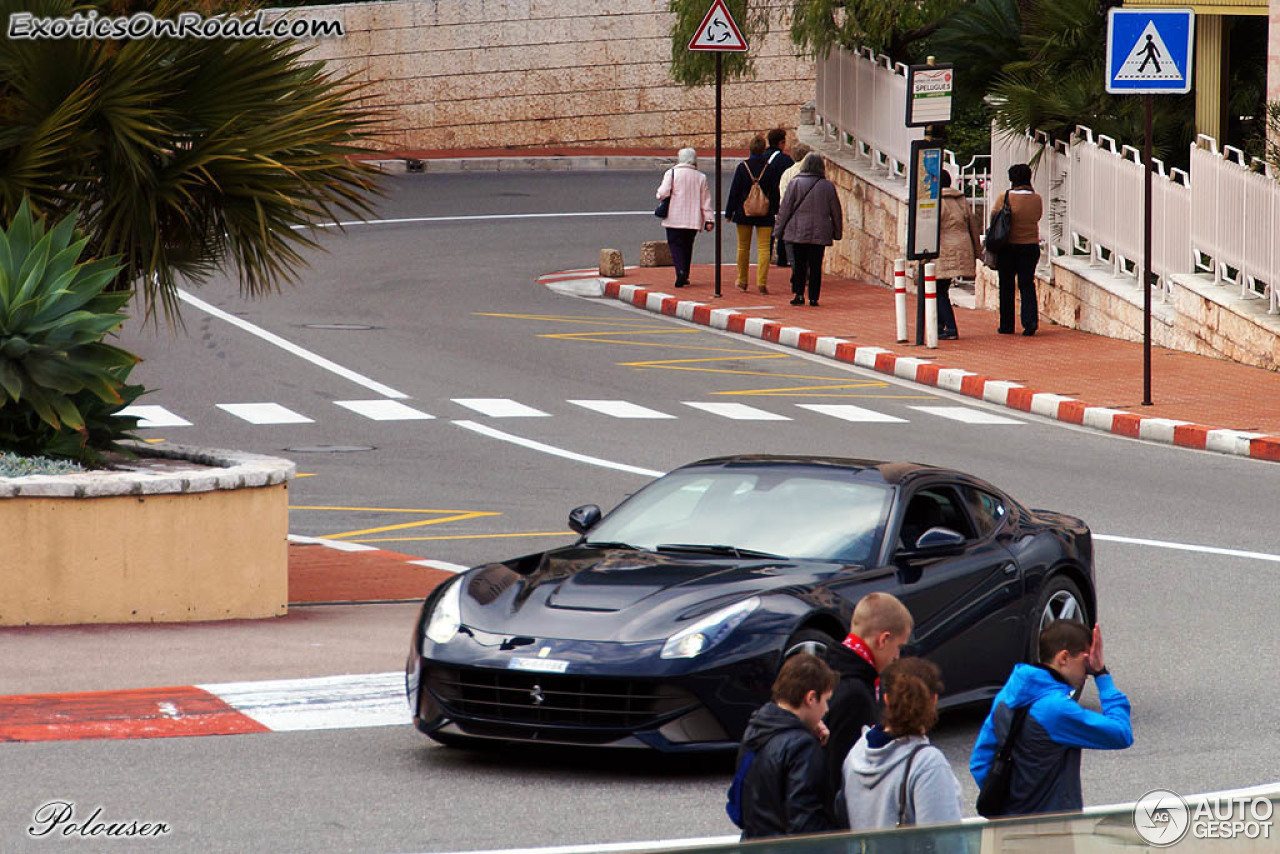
(462, 74)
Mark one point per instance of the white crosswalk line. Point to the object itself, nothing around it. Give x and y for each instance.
(620, 409)
(966, 415)
(384, 410)
(848, 412)
(329, 702)
(736, 411)
(499, 407)
(155, 416)
(264, 413)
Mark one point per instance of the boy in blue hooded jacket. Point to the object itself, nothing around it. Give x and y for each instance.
(1046, 752)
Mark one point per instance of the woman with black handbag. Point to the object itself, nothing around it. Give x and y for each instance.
(684, 204)
(1020, 252)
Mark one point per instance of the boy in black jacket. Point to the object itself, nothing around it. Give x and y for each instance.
(881, 625)
(784, 790)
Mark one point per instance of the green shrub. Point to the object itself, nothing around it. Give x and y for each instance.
(12, 465)
(60, 384)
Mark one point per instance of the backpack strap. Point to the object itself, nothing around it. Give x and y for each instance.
(755, 179)
(903, 791)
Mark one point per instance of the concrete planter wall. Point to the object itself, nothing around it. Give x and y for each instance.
(136, 547)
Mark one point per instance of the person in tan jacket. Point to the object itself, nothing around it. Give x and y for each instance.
(958, 251)
(1019, 257)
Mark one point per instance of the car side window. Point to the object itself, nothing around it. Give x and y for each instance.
(933, 507)
(987, 510)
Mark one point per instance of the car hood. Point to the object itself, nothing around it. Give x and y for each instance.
(587, 593)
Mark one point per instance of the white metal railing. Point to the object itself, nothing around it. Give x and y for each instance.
(864, 95)
(1223, 216)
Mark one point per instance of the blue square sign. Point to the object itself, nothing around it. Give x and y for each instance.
(1149, 51)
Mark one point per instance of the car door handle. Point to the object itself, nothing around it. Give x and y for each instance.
(1009, 568)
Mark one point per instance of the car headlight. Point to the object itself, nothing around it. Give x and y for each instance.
(708, 631)
(446, 617)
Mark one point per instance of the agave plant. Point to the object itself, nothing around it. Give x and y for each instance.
(61, 386)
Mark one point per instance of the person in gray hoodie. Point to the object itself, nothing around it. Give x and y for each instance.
(899, 750)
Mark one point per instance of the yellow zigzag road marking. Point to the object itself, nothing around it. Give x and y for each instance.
(466, 537)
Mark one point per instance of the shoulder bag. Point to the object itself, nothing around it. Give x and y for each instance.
(1001, 224)
(664, 205)
(993, 799)
(903, 794)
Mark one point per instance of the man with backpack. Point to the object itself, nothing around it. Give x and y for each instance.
(1030, 744)
(780, 787)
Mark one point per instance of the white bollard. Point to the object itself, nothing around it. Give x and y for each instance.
(900, 297)
(930, 308)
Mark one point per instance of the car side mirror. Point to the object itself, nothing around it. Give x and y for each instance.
(584, 518)
(939, 539)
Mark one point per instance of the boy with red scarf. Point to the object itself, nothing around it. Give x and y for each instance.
(881, 625)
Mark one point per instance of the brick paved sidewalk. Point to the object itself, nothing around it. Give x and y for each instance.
(1099, 371)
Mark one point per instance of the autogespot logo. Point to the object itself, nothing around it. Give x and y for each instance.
(1161, 818)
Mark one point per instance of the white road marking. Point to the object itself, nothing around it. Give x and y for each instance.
(848, 412)
(340, 545)
(966, 415)
(1187, 547)
(554, 451)
(620, 409)
(384, 410)
(155, 416)
(472, 218)
(330, 702)
(264, 413)
(499, 407)
(290, 347)
(441, 564)
(737, 411)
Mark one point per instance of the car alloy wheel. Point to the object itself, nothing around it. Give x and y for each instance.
(1061, 600)
(811, 641)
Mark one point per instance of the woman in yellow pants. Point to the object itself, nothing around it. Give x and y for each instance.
(756, 169)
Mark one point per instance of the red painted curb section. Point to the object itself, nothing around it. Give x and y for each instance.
(1012, 395)
(141, 713)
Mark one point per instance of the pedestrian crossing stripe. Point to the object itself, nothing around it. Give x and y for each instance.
(153, 416)
(1149, 59)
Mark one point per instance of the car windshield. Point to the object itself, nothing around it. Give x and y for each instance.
(792, 511)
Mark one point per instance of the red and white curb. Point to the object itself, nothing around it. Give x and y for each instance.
(230, 708)
(999, 392)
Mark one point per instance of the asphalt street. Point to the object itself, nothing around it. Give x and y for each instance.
(448, 310)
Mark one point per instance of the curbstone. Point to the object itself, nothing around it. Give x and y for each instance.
(1002, 393)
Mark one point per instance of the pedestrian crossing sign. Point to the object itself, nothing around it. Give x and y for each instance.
(1149, 51)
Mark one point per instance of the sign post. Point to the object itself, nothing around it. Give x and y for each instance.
(928, 106)
(718, 32)
(1149, 53)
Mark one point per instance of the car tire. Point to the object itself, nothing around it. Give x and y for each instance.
(1060, 599)
(808, 640)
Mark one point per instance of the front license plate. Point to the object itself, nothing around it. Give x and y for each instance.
(538, 665)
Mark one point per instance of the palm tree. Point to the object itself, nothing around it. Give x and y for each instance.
(184, 156)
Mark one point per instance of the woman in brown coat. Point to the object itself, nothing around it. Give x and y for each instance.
(958, 252)
(1019, 257)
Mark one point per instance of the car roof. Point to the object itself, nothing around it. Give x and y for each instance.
(889, 472)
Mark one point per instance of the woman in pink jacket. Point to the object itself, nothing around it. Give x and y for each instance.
(690, 210)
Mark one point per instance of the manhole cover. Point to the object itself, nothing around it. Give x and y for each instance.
(330, 449)
(348, 327)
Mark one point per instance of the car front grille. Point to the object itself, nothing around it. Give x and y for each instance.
(549, 699)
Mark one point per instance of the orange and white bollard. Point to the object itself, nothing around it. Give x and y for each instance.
(900, 297)
(930, 307)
